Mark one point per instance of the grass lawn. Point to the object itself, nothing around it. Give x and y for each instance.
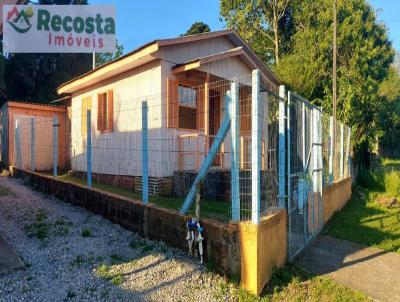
(215, 209)
(366, 221)
(292, 284)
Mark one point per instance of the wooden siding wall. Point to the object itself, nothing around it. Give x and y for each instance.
(119, 152)
(181, 53)
(231, 68)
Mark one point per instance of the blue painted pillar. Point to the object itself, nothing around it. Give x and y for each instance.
(341, 151)
(255, 147)
(33, 160)
(89, 149)
(331, 146)
(348, 152)
(235, 149)
(55, 144)
(282, 148)
(145, 153)
(18, 151)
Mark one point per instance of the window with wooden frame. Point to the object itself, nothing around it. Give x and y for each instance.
(187, 101)
(86, 105)
(105, 111)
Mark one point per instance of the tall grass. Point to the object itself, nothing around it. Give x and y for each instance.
(384, 178)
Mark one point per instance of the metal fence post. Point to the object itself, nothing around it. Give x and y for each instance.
(145, 153)
(33, 160)
(255, 147)
(55, 144)
(235, 149)
(341, 151)
(282, 147)
(89, 148)
(348, 153)
(18, 159)
(315, 159)
(289, 137)
(331, 142)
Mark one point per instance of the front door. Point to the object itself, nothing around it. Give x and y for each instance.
(214, 120)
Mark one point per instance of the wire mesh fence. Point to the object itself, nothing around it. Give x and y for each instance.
(317, 156)
(190, 145)
(184, 121)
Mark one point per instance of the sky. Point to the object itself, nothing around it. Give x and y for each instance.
(389, 13)
(139, 22)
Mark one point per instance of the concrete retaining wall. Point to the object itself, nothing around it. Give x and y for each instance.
(222, 245)
(335, 197)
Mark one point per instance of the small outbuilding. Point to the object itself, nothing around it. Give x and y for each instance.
(26, 117)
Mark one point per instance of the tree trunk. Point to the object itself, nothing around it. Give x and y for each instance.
(276, 38)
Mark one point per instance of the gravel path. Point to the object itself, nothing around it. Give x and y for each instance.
(74, 255)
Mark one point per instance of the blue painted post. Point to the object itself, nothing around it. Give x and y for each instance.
(255, 147)
(331, 142)
(282, 151)
(33, 160)
(289, 210)
(348, 152)
(303, 134)
(55, 145)
(341, 151)
(145, 152)
(18, 153)
(89, 148)
(235, 149)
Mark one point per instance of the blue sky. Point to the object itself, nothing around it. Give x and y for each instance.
(389, 13)
(139, 22)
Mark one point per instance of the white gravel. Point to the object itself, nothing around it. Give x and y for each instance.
(112, 264)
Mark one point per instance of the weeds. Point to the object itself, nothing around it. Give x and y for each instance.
(41, 228)
(79, 260)
(116, 259)
(4, 191)
(86, 232)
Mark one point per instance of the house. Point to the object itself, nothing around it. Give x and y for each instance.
(22, 114)
(182, 81)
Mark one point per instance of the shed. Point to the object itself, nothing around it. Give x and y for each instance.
(25, 114)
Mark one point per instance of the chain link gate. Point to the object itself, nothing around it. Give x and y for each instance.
(304, 146)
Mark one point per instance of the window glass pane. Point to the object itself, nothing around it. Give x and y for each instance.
(187, 96)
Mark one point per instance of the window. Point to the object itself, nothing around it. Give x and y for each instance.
(187, 96)
(187, 100)
(86, 105)
(105, 111)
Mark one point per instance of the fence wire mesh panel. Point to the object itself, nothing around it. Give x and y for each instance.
(304, 173)
(326, 140)
(269, 153)
(102, 135)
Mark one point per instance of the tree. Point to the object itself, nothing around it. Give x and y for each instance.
(364, 57)
(258, 23)
(197, 28)
(102, 58)
(389, 114)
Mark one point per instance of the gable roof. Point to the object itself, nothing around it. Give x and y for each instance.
(147, 53)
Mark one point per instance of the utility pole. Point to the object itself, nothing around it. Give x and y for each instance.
(334, 75)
